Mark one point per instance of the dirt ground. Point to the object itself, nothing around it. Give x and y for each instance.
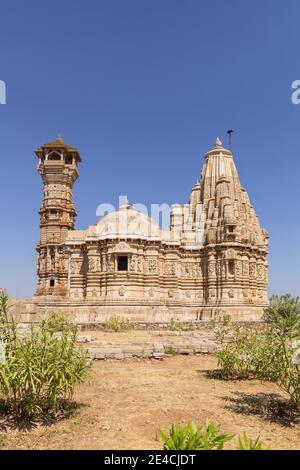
(123, 403)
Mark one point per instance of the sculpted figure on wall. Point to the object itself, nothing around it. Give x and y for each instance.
(133, 263)
(252, 271)
(76, 266)
(246, 268)
(140, 264)
(238, 268)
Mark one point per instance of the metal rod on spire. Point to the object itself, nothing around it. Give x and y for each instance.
(230, 132)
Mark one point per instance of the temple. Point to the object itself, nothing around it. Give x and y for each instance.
(211, 259)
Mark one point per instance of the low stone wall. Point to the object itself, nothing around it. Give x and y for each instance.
(37, 308)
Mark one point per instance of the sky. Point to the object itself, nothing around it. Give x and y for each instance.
(142, 88)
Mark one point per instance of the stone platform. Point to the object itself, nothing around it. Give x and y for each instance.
(145, 344)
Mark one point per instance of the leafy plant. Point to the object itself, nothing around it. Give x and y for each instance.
(207, 437)
(170, 350)
(283, 312)
(39, 371)
(193, 437)
(272, 355)
(116, 323)
(176, 325)
(57, 321)
(244, 443)
(238, 349)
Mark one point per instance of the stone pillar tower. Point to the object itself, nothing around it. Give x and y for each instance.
(58, 168)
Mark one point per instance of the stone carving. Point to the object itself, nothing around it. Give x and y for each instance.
(111, 263)
(76, 266)
(151, 292)
(230, 254)
(63, 264)
(44, 218)
(246, 268)
(152, 265)
(238, 268)
(94, 264)
(246, 293)
(74, 293)
(252, 271)
(212, 293)
(122, 291)
(211, 268)
(260, 272)
(133, 263)
(42, 263)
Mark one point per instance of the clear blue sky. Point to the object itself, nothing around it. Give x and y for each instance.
(142, 88)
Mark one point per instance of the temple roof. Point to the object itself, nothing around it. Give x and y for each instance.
(127, 222)
(58, 144)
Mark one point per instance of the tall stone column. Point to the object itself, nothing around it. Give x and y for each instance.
(58, 168)
(93, 287)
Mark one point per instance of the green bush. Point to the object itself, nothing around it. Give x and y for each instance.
(283, 312)
(176, 325)
(207, 437)
(193, 437)
(172, 351)
(39, 372)
(238, 347)
(244, 443)
(115, 323)
(57, 321)
(267, 355)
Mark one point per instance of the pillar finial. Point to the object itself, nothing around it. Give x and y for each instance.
(218, 143)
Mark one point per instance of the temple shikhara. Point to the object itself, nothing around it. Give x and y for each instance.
(211, 259)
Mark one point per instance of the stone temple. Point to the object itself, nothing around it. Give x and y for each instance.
(211, 259)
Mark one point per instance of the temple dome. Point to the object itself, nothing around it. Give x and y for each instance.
(127, 222)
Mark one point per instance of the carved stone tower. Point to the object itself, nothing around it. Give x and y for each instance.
(58, 168)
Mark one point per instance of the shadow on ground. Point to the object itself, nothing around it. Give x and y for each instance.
(268, 406)
(9, 422)
(216, 374)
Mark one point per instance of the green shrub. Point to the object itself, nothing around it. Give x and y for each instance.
(267, 355)
(193, 437)
(40, 371)
(172, 351)
(176, 325)
(207, 437)
(238, 349)
(244, 443)
(283, 312)
(57, 321)
(285, 369)
(115, 323)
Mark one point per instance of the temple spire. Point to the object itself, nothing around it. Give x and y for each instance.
(218, 143)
